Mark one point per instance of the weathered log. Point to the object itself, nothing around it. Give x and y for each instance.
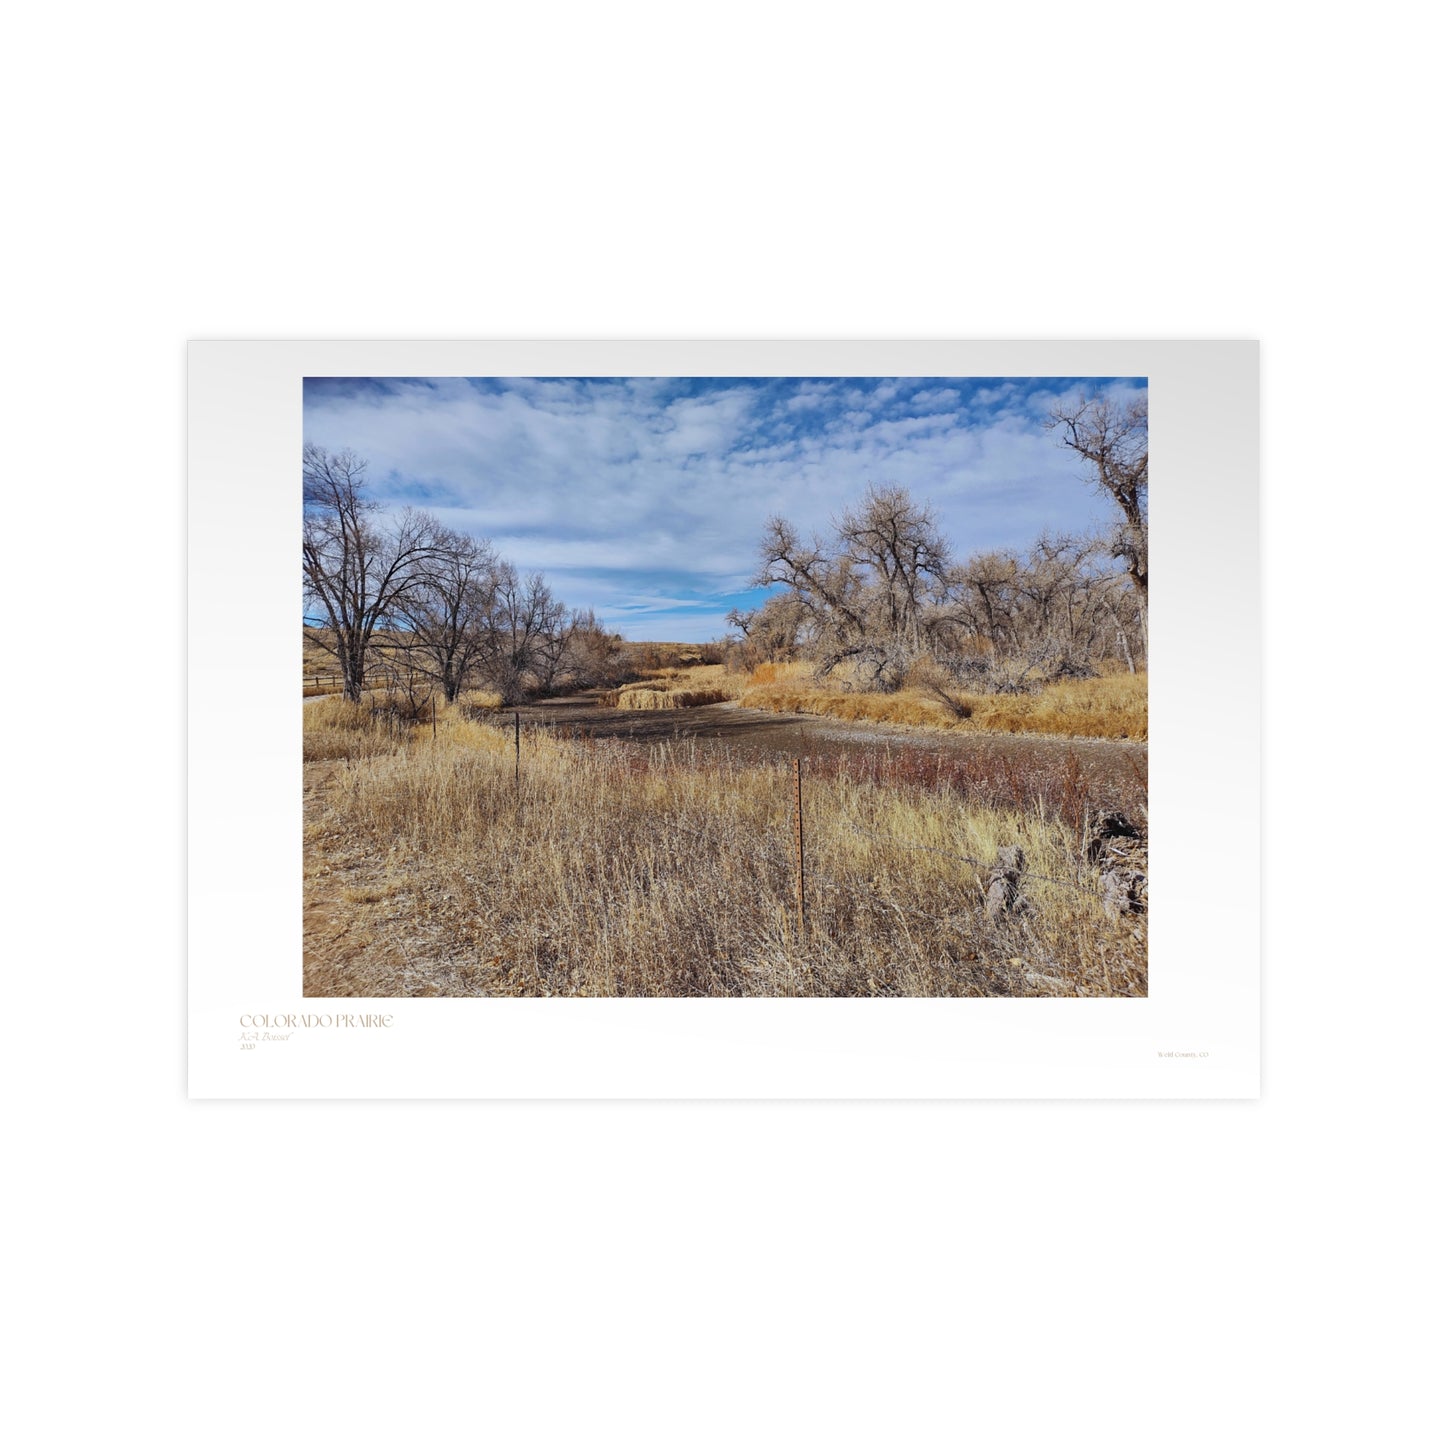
(1104, 832)
(1126, 890)
(1119, 851)
(1004, 882)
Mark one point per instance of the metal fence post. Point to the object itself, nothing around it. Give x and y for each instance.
(798, 817)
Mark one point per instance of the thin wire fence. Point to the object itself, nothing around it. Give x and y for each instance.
(786, 859)
(815, 887)
(783, 857)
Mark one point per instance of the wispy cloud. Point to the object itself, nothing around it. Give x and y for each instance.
(645, 497)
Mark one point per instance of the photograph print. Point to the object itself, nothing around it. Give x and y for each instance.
(725, 687)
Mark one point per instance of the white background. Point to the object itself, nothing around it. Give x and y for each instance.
(355, 1272)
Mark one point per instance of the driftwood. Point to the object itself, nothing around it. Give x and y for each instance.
(1108, 833)
(1122, 856)
(1004, 882)
(1126, 890)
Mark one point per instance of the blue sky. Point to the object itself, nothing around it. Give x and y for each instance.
(645, 498)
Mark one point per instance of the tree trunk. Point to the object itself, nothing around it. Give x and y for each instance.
(353, 677)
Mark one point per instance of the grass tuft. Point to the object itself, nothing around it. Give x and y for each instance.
(675, 687)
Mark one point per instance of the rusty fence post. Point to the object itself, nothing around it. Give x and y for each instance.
(434, 717)
(798, 828)
(517, 747)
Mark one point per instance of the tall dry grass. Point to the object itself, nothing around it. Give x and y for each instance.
(333, 729)
(676, 687)
(616, 871)
(1096, 707)
(658, 699)
(479, 700)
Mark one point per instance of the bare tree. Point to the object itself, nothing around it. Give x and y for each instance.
(1113, 436)
(1014, 620)
(984, 592)
(1117, 608)
(357, 569)
(526, 619)
(770, 633)
(884, 604)
(590, 655)
(863, 599)
(449, 615)
(552, 651)
(897, 541)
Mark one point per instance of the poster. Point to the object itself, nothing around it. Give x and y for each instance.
(612, 897)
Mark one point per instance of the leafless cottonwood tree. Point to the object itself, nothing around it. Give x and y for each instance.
(472, 620)
(1113, 437)
(427, 606)
(449, 625)
(864, 600)
(357, 568)
(897, 541)
(769, 633)
(1028, 616)
(589, 654)
(883, 604)
(527, 619)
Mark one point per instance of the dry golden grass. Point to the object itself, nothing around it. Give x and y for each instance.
(1099, 707)
(906, 708)
(675, 687)
(337, 712)
(767, 673)
(613, 871)
(334, 728)
(1096, 707)
(647, 700)
(480, 700)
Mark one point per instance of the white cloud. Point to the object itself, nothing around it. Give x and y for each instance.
(939, 397)
(605, 484)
